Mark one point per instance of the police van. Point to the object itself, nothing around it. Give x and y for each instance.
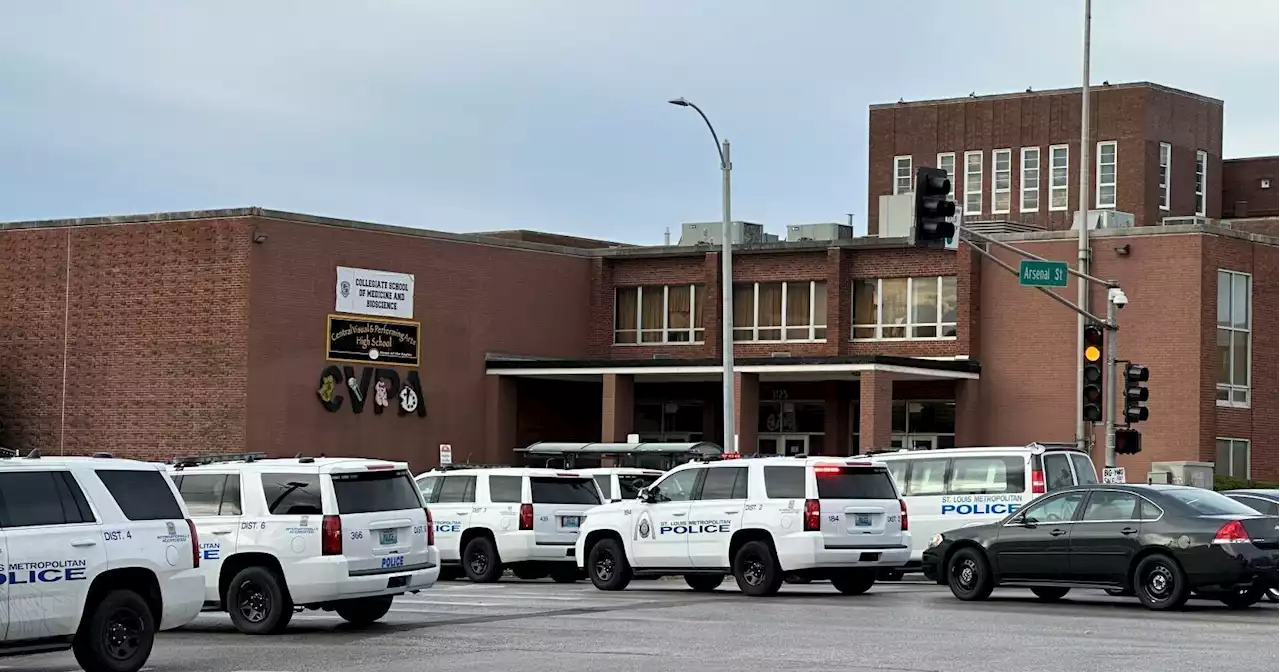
(619, 483)
(759, 519)
(96, 556)
(519, 518)
(340, 534)
(955, 487)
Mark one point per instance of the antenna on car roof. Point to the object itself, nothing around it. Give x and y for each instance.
(34, 454)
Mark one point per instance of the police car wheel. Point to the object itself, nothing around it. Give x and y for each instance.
(257, 602)
(854, 582)
(364, 611)
(756, 569)
(117, 635)
(969, 575)
(607, 565)
(1049, 593)
(480, 561)
(1160, 583)
(704, 583)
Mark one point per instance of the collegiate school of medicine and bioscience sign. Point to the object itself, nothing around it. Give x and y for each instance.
(377, 344)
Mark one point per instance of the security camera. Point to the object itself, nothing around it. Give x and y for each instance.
(1116, 295)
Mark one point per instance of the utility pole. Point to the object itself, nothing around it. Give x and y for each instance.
(1083, 429)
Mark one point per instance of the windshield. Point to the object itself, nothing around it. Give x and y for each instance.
(564, 491)
(375, 491)
(630, 484)
(1209, 503)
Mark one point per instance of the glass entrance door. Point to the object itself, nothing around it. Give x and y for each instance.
(783, 444)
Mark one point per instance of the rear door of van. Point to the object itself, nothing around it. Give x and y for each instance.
(560, 503)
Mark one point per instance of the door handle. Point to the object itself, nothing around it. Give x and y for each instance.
(220, 532)
(81, 543)
(1058, 532)
(1128, 530)
(678, 515)
(730, 513)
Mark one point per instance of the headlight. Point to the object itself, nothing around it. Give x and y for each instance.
(935, 541)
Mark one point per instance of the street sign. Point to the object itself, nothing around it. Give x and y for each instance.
(446, 454)
(1035, 273)
(1113, 475)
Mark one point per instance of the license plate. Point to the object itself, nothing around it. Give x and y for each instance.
(570, 521)
(387, 538)
(397, 582)
(862, 520)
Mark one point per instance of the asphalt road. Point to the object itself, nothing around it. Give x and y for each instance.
(656, 626)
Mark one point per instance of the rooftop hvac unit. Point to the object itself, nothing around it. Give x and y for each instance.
(1104, 219)
(825, 231)
(1197, 474)
(1185, 221)
(708, 233)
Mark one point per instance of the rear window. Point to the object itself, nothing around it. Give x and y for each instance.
(1208, 502)
(367, 492)
(629, 486)
(142, 495)
(292, 494)
(553, 490)
(855, 483)
(988, 475)
(784, 482)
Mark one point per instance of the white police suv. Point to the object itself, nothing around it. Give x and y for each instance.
(524, 519)
(96, 555)
(279, 535)
(760, 519)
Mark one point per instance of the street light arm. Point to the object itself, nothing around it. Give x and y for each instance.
(714, 137)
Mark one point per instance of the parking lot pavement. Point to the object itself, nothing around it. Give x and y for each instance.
(659, 625)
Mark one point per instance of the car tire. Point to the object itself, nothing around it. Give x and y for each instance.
(567, 575)
(969, 575)
(1049, 593)
(116, 634)
(1243, 598)
(1160, 583)
(607, 565)
(480, 561)
(364, 611)
(258, 602)
(855, 581)
(704, 583)
(755, 568)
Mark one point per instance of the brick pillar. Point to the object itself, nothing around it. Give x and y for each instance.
(839, 305)
(711, 303)
(835, 420)
(968, 415)
(746, 412)
(500, 419)
(617, 415)
(875, 409)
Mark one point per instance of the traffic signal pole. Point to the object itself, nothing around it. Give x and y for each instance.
(1109, 380)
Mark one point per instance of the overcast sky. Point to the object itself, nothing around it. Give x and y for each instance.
(466, 115)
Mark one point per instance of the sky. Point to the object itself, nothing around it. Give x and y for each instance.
(473, 115)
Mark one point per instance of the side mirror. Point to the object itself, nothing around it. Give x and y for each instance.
(1027, 522)
(648, 495)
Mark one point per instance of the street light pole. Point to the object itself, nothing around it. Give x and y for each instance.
(730, 440)
(1082, 249)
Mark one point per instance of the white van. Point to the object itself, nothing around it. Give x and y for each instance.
(954, 487)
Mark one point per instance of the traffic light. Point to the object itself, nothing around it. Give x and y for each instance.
(1093, 397)
(931, 228)
(1135, 393)
(1128, 442)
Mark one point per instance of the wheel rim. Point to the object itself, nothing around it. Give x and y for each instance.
(965, 573)
(1160, 582)
(753, 571)
(122, 638)
(604, 565)
(254, 605)
(478, 562)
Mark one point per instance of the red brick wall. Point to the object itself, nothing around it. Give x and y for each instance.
(1242, 181)
(158, 338)
(471, 299)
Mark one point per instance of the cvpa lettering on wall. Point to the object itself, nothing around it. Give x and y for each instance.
(384, 385)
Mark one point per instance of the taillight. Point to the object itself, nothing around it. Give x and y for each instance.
(826, 469)
(331, 536)
(526, 516)
(1231, 533)
(1037, 482)
(902, 504)
(431, 528)
(195, 544)
(812, 515)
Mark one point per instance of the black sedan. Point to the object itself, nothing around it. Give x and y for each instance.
(1160, 542)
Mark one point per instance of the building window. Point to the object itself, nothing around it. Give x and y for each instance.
(904, 308)
(780, 311)
(924, 425)
(901, 175)
(972, 184)
(947, 162)
(1166, 156)
(1059, 162)
(1001, 181)
(1232, 459)
(1030, 180)
(1202, 163)
(1235, 306)
(658, 314)
(1105, 197)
